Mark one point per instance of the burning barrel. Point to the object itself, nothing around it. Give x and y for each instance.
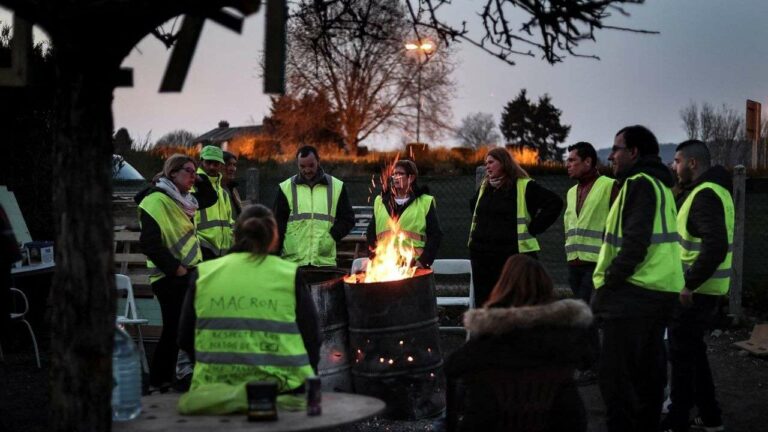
(395, 344)
(327, 289)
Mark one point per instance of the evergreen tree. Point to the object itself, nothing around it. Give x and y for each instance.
(534, 125)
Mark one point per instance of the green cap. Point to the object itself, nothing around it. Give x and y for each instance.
(212, 153)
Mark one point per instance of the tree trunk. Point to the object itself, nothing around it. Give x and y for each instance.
(83, 294)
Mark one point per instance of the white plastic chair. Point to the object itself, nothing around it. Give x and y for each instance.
(455, 267)
(130, 315)
(19, 316)
(359, 265)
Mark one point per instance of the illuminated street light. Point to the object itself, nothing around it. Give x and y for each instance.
(423, 48)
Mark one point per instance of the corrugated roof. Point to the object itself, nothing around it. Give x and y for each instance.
(221, 134)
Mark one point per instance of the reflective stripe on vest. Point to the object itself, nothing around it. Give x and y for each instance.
(413, 222)
(584, 231)
(525, 241)
(246, 324)
(661, 269)
(214, 224)
(690, 246)
(308, 238)
(176, 229)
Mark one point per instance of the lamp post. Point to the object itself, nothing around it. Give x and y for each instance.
(423, 48)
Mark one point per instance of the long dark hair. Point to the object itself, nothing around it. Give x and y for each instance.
(255, 231)
(523, 282)
(512, 170)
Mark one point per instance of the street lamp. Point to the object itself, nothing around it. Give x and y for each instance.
(423, 48)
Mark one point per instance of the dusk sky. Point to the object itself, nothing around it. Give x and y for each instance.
(707, 51)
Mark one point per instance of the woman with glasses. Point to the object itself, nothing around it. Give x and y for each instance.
(413, 208)
(168, 239)
(509, 211)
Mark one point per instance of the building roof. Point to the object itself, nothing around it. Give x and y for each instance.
(225, 133)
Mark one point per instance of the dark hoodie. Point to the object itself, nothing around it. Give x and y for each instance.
(706, 221)
(619, 298)
(434, 233)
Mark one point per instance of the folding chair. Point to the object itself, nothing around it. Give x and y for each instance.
(19, 316)
(130, 315)
(455, 267)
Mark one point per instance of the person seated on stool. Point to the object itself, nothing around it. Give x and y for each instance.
(247, 317)
(521, 328)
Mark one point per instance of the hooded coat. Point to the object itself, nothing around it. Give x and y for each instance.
(619, 298)
(553, 335)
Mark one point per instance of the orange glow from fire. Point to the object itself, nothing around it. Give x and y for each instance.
(525, 155)
(392, 261)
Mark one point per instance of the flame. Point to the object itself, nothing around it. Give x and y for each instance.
(392, 261)
(525, 155)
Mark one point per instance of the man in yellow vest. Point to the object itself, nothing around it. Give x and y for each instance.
(214, 224)
(638, 278)
(313, 212)
(705, 221)
(587, 206)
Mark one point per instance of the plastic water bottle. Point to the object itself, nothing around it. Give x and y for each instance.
(126, 376)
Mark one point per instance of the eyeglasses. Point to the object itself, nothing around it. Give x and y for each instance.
(398, 175)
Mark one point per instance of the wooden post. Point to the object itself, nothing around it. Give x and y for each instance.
(479, 176)
(252, 185)
(737, 277)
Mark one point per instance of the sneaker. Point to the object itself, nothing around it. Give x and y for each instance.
(698, 424)
(162, 388)
(586, 377)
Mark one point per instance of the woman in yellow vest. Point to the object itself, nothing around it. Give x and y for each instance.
(509, 211)
(247, 317)
(415, 210)
(166, 214)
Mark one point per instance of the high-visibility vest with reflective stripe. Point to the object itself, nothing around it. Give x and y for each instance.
(690, 246)
(525, 241)
(176, 228)
(413, 222)
(308, 238)
(246, 323)
(584, 231)
(661, 270)
(214, 224)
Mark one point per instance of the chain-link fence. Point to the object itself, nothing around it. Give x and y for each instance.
(755, 282)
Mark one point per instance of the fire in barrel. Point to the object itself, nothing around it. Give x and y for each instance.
(393, 332)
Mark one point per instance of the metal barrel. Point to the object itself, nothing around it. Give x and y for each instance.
(395, 345)
(327, 289)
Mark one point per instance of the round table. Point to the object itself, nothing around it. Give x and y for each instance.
(34, 269)
(159, 414)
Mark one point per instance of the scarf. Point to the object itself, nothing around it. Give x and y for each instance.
(496, 181)
(187, 202)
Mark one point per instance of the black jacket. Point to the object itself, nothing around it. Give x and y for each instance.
(553, 335)
(619, 298)
(151, 240)
(706, 221)
(344, 217)
(306, 320)
(434, 233)
(496, 229)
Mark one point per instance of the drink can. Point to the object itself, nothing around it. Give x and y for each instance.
(314, 396)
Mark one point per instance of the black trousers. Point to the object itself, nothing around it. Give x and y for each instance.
(580, 280)
(170, 292)
(691, 376)
(486, 269)
(633, 372)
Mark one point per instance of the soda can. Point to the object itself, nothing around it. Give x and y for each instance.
(314, 396)
(262, 397)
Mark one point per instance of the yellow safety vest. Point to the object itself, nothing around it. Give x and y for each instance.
(246, 324)
(176, 228)
(661, 270)
(584, 231)
(690, 246)
(214, 224)
(308, 238)
(525, 241)
(413, 221)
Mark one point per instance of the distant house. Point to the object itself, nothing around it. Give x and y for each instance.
(223, 136)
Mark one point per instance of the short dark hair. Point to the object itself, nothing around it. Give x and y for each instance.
(229, 156)
(695, 149)
(641, 138)
(585, 150)
(408, 165)
(306, 150)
